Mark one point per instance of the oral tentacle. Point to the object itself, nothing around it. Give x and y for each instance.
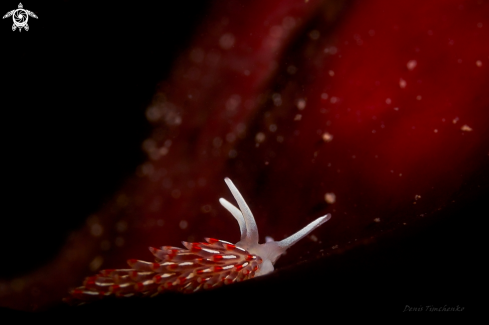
(291, 240)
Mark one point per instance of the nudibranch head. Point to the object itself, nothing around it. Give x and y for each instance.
(271, 250)
(199, 265)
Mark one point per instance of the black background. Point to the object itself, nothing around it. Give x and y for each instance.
(74, 90)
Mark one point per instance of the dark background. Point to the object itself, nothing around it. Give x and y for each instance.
(73, 93)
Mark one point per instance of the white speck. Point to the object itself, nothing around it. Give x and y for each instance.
(246, 72)
(478, 63)
(324, 96)
(400, 175)
(233, 102)
(163, 151)
(479, 25)
(331, 50)
(333, 100)
(153, 113)
(16, 285)
(193, 73)
(149, 144)
(197, 55)
(232, 153)
(466, 128)
(313, 238)
(402, 83)
(96, 230)
(327, 137)
(272, 127)
(213, 57)
(301, 104)
(260, 137)
(157, 153)
(202, 182)
(176, 193)
(121, 226)
(96, 263)
(334, 247)
(119, 241)
(373, 131)
(411, 64)
(217, 142)
(288, 22)
(167, 182)
(277, 99)
(419, 97)
(331, 73)
(240, 128)
(226, 41)
(105, 245)
(377, 219)
(388, 101)
(298, 117)
(330, 198)
(314, 34)
(455, 120)
(230, 137)
(396, 108)
(291, 69)
(280, 139)
(183, 224)
(417, 197)
(206, 208)
(436, 131)
(276, 31)
(146, 169)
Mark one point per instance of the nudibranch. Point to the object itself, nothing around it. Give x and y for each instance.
(199, 266)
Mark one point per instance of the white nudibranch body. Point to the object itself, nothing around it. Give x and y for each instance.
(271, 250)
(203, 265)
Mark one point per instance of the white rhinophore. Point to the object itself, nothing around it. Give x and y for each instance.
(269, 251)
